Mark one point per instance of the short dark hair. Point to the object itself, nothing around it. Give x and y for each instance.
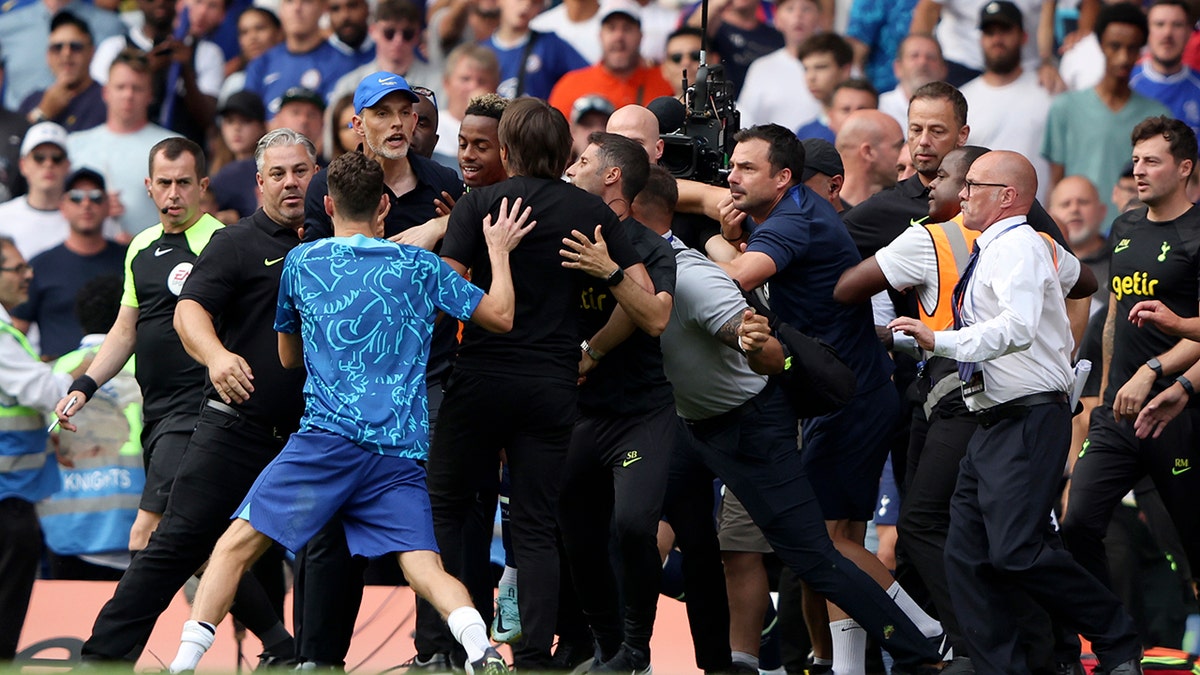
(858, 84)
(784, 149)
(537, 137)
(1185, 6)
(1121, 13)
(970, 153)
(98, 302)
(661, 191)
(686, 31)
(67, 18)
(134, 58)
(944, 91)
(267, 14)
(487, 105)
(174, 147)
(618, 151)
(1178, 135)
(398, 10)
(355, 185)
(831, 43)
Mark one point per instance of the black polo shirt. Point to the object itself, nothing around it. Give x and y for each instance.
(410, 209)
(236, 279)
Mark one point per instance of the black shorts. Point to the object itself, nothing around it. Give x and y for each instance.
(164, 442)
(844, 453)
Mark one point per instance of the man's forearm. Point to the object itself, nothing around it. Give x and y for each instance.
(196, 331)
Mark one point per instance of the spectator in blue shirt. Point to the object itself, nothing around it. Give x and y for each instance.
(1164, 76)
(530, 61)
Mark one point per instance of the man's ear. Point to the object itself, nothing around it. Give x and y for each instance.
(329, 206)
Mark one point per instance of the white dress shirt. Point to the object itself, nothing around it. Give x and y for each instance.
(1015, 316)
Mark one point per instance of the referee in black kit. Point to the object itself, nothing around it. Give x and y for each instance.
(1013, 342)
(225, 319)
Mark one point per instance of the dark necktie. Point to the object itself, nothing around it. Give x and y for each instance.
(965, 370)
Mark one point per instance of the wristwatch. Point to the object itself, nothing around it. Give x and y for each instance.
(617, 276)
(1186, 384)
(1155, 365)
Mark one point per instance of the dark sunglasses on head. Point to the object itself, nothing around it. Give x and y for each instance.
(407, 34)
(677, 57)
(53, 158)
(427, 93)
(71, 46)
(93, 196)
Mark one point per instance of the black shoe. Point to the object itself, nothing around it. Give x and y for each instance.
(434, 663)
(269, 660)
(491, 663)
(569, 655)
(958, 666)
(627, 660)
(1069, 668)
(739, 668)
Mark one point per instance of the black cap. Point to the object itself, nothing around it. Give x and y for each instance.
(1127, 170)
(85, 174)
(245, 103)
(1001, 11)
(821, 157)
(303, 95)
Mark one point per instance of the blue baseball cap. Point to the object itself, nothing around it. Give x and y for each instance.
(377, 85)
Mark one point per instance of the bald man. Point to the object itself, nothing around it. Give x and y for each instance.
(1012, 340)
(869, 143)
(1075, 205)
(640, 125)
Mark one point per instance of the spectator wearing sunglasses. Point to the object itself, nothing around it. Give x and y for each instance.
(397, 34)
(74, 99)
(60, 272)
(33, 220)
(682, 57)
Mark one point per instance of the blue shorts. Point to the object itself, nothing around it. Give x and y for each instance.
(381, 499)
(844, 453)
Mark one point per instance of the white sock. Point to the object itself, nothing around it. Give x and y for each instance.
(849, 647)
(509, 578)
(817, 661)
(197, 637)
(742, 657)
(929, 626)
(467, 627)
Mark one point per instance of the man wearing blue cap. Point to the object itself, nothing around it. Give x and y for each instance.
(386, 120)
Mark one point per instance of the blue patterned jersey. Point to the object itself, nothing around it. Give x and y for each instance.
(365, 309)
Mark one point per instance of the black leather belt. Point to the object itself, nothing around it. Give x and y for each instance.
(272, 431)
(1017, 408)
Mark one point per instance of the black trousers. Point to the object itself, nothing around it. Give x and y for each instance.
(616, 472)
(1112, 463)
(1000, 541)
(753, 450)
(530, 418)
(226, 455)
(20, 553)
(938, 446)
(689, 509)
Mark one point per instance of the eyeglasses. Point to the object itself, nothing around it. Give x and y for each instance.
(72, 46)
(427, 93)
(19, 269)
(972, 184)
(677, 57)
(53, 158)
(389, 34)
(93, 196)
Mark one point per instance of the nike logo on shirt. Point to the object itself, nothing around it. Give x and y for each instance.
(160, 251)
(268, 263)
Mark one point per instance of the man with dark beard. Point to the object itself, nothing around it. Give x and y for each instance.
(989, 96)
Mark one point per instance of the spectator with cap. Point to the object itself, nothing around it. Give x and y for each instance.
(33, 221)
(74, 99)
(126, 133)
(619, 75)
(25, 32)
(60, 272)
(870, 144)
(588, 114)
(242, 121)
(303, 110)
(531, 62)
(185, 105)
(396, 33)
(1005, 80)
(823, 171)
(305, 58)
(471, 70)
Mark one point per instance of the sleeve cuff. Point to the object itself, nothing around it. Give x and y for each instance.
(945, 343)
(906, 344)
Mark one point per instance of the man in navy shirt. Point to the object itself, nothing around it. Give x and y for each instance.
(798, 243)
